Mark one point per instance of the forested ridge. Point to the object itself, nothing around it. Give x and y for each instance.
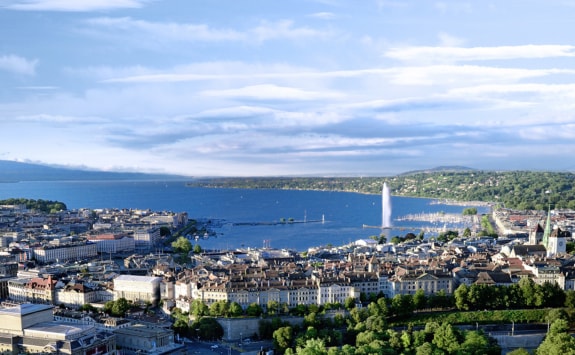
(512, 189)
(46, 206)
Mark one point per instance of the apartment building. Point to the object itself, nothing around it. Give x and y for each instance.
(60, 253)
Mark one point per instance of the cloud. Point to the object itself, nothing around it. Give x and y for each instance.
(324, 15)
(18, 65)
(447, 40)
(73, 5)
(457, 54)
(271, 92)
(188, 32)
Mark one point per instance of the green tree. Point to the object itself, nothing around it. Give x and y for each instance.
(312, 347)
(198, 308)
(419, 299)
(273, 307)
(349, 303)
(460, 295)
(447, 337)
(208, 328)
(182, 245)
(254, 310)
(558, 341)
(283, 338)
(120, 307)
(220, 308)
(235, 310)
(197, 249)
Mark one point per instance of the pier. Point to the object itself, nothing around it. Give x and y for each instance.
(274, 223)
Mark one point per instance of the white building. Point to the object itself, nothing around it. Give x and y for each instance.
(137, 288)
(113, 243)
(75, 251)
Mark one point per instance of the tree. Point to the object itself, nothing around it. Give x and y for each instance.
(419, 299)
(312, 347)
(570, 299)
(349, 303)
(219, 308)
(208, 328)
(198, 308)
(283, 338)
(197, 249)
(402, 305)
(254, 310)
(520, 351)
(460, 295)
(182, 245)
(273, 307)
(447, 337)
(235, 310)
(558, 341)
(120, 307)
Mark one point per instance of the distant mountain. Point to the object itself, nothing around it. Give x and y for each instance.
(440, 169)
(11, 171)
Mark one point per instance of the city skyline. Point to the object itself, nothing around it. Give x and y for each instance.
(306, 87)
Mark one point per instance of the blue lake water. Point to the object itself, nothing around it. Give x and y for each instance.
(344, 213)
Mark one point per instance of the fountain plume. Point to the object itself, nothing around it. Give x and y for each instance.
(385, 207)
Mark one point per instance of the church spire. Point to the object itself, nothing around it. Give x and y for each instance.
(547, 231)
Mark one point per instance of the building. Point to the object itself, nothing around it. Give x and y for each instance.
(143, 339)
(110, 243)
(73, 251)
(31, 328)
(557, 242)
(146, 238)
(137, 288)
(409, 281)
(76, 293)
(33, 290)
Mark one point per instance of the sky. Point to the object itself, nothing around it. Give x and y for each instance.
(288, 88)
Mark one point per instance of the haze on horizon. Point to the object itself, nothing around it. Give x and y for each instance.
(305, 87)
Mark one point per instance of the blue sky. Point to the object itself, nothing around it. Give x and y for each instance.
(299, 87)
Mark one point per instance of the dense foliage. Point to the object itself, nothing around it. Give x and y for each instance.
(46, 206)
(513, 189)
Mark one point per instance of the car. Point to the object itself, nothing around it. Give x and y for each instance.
(215, 346)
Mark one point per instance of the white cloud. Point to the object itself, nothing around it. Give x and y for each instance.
(324, 15)
(456, 54)
(271, 92)
(447, 40)
(19, 65)
(73, 5)
(187, 32)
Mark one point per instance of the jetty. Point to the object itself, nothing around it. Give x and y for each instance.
(275, 223)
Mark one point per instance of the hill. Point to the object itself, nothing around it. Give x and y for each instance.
(524, 190)
(11, 171)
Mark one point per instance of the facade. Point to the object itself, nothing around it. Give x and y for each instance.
(113, 243)
(142, 339)
(76, 293)
(146, 238)
(33, 290)
(137, 288)
(431, 282)
(72, 251)
(557, 242)
(30, 328)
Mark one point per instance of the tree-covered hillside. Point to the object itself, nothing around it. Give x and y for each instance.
(513, 189)
(46, 206)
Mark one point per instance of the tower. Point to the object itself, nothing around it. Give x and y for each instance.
(547, 231)
(557, 242)
(536, 235)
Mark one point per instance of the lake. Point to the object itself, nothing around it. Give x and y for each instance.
(331, 217)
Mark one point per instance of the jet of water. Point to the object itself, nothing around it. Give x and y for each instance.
(385, 206)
